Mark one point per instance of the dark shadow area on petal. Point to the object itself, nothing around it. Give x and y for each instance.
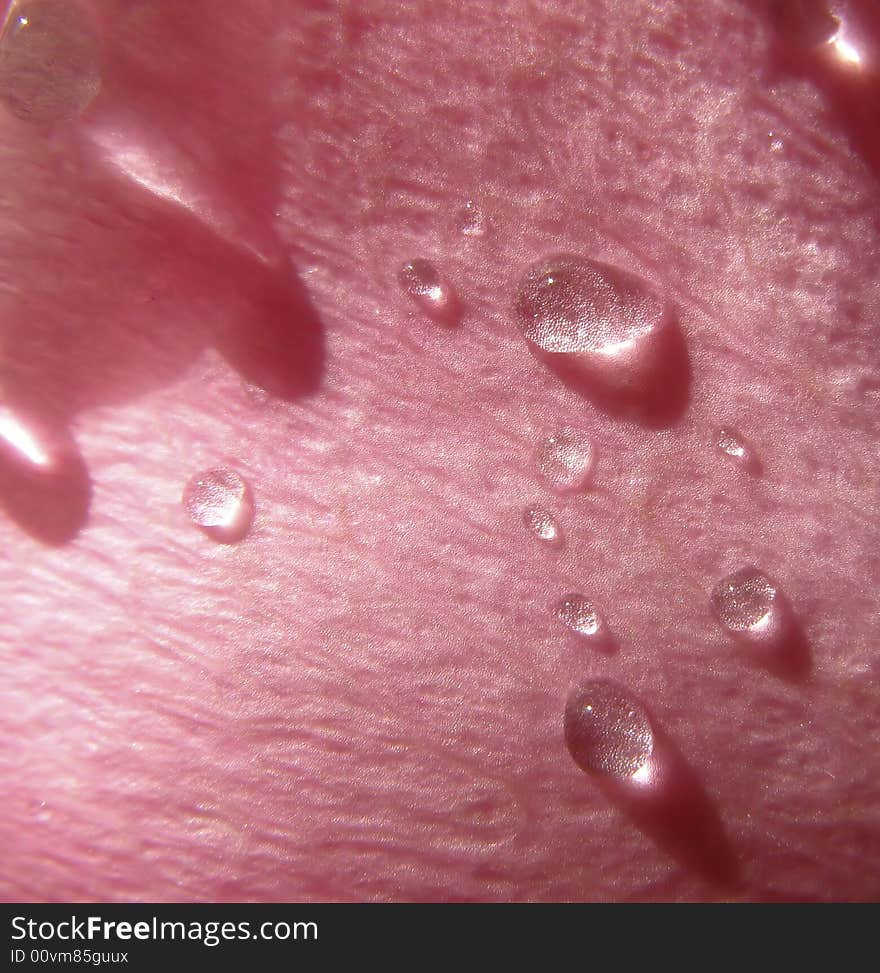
(655, 395)
(782, 649)
(277, 342)
(788, 655)
(673, 809)
(50, 501)
(603, 643)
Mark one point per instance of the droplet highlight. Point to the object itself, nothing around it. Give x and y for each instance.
(580, 615)
(26, 444)
(220, 502)
(607, 730)
(542, 524)
(731, 444)
(430, 291)
(566, 460)
(50, 61)
(607, 332)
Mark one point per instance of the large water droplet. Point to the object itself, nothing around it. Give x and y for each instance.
(430, 291)
(730, 443)
(543, 525)
(220, 502)
(580, 615)
(607, 730)
(607, 332)
(50, 66)
(566, 459)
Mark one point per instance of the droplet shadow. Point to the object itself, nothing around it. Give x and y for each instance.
(670, 805)
(605, 643)
(752, 465)
(657, 397)
(789, 657)
(278, 343)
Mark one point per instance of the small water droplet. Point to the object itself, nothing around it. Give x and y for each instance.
(566, 459)
(471, 221)
(543, 525)
(50, 66)
(746, 603)
(606, 331)
(580, 615)
(732, 444)
(430, 291)
(752, 608)
(607, 730)
(220, 502)
(42, 813)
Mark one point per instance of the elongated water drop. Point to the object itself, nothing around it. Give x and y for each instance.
(566, 460)
(50, 65)
(430, 291)
(736, 448)
(542, 524)
(607, 730)
(220, 502)
(607, 332)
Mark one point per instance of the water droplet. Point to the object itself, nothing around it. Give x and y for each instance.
(606, 331)
(566, 459)
(753, 609)
(580, 615)
(607, 730)
(746, 603)
(543, 525)
(42, 813)
(730, 443)
(50, 66)
(471, 221)
(430, 291)
(220, 502)
(570, 304)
